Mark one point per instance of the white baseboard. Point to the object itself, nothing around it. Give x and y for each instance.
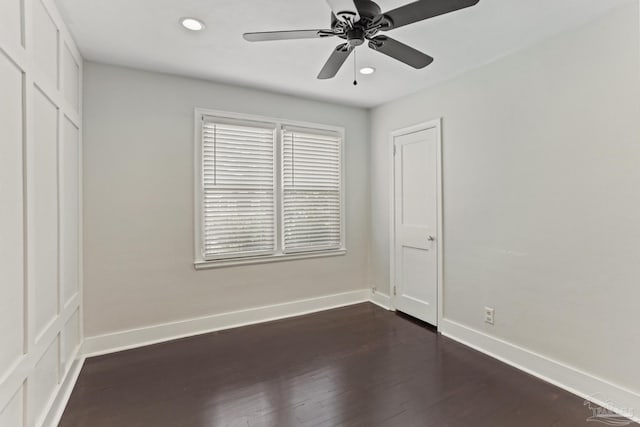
(587, 386)
(380, 299)
(64, 393)
(117, 341)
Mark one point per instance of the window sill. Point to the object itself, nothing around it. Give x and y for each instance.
(203, 265)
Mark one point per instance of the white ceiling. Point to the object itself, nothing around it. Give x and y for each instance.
(146, 34)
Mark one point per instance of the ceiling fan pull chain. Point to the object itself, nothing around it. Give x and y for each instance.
(355, 75)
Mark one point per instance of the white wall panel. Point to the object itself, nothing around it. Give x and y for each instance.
(40, 212)
(11, 230)
(42, 383)
(71, 78)
(12, 414)
(42, 169)
(69, 210)
(45, 40)
(69, 341)
(11, 22)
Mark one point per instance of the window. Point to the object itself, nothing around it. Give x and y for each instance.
(310, 190)
(266, 190)
(238, 189)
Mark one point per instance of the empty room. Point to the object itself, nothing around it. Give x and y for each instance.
(319, 213)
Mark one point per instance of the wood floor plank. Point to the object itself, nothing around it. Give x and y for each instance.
(354, 366)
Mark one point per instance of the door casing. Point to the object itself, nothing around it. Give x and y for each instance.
(431, 124)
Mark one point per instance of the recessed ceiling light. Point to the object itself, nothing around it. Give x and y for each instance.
(367, 70)
(192, 24)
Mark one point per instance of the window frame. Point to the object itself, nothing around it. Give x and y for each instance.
(279, 254)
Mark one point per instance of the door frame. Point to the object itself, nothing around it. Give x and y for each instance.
(431, 124)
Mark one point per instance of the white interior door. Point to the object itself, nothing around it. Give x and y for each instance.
(416, 223)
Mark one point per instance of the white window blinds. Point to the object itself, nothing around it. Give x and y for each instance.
(238, 179)
(311, 193)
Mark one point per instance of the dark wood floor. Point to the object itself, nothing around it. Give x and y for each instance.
(354, 366)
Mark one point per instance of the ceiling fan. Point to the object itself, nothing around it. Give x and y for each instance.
(357, 21)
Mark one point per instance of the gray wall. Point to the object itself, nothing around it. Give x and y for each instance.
(541, 175)
(138, 200)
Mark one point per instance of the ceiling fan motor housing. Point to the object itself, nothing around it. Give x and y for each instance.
(370, 22)
(355, 37)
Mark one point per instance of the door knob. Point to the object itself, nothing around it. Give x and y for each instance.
(431, 238)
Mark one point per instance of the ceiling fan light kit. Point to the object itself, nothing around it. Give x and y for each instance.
(360, 21)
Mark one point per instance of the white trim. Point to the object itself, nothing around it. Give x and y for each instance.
(380, 299)
(197, 186)
(132, 338)
(203, 265)
(278, 254)
(573, 380)
(437, 124)
(266, 119)
(64, 393)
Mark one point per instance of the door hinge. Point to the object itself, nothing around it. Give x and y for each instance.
(394, 291)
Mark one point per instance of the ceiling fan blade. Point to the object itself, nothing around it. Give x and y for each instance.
(400, 51)
(425, 9)
(335, 61)
(345, 10)
(286, 35)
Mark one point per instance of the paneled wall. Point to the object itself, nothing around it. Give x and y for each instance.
(40, 220)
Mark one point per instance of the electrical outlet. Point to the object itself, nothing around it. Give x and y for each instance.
(489, 315)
